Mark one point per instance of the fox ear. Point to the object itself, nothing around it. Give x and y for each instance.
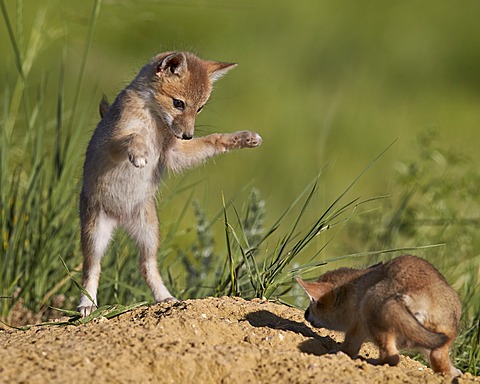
(314, 290)
(174, 64)
(103, 107)
(216, 69)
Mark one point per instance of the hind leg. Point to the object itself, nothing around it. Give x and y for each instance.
(144, 230)
(441, 363)
(383, 337)
(380, 325)
(387, 345)
(96, 233)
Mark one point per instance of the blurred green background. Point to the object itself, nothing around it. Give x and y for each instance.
(324, 82)
(328, 84)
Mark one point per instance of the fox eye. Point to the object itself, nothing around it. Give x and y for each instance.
(179, 104)
(199, 109)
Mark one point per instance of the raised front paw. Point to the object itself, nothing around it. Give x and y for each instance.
(138, 155)
(246, 139)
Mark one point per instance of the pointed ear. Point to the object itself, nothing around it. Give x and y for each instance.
(314, 290)
(217, 69)
(173, 64)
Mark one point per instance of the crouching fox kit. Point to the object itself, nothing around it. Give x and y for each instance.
(402, 303)
(149, 128)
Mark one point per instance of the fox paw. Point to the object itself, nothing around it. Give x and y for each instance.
(455, 372)
(246, 139)
(86, 310)
(170, 299)
(138, 156)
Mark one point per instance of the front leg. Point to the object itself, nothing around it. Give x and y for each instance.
(184, 154)
(131, 147)
(354, 339)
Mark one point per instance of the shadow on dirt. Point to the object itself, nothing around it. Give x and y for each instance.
(316, 345)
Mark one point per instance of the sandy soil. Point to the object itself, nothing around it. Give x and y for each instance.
(226, 340)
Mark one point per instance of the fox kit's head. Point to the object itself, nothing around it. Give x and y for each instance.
(322, 300)
(330, 299)
(179, 84)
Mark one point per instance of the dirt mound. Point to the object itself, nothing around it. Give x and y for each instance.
(226, 340)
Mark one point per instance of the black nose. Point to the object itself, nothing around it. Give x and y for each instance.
(186, 136)
(307, 313)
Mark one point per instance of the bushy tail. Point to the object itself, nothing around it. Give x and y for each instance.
(410, 328)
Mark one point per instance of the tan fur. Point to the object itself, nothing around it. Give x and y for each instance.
(403, 303)
(147, 129)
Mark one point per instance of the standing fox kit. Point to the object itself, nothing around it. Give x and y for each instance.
(148, 129)
(402, 303)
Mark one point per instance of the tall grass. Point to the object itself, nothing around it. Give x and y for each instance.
(39, 171)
